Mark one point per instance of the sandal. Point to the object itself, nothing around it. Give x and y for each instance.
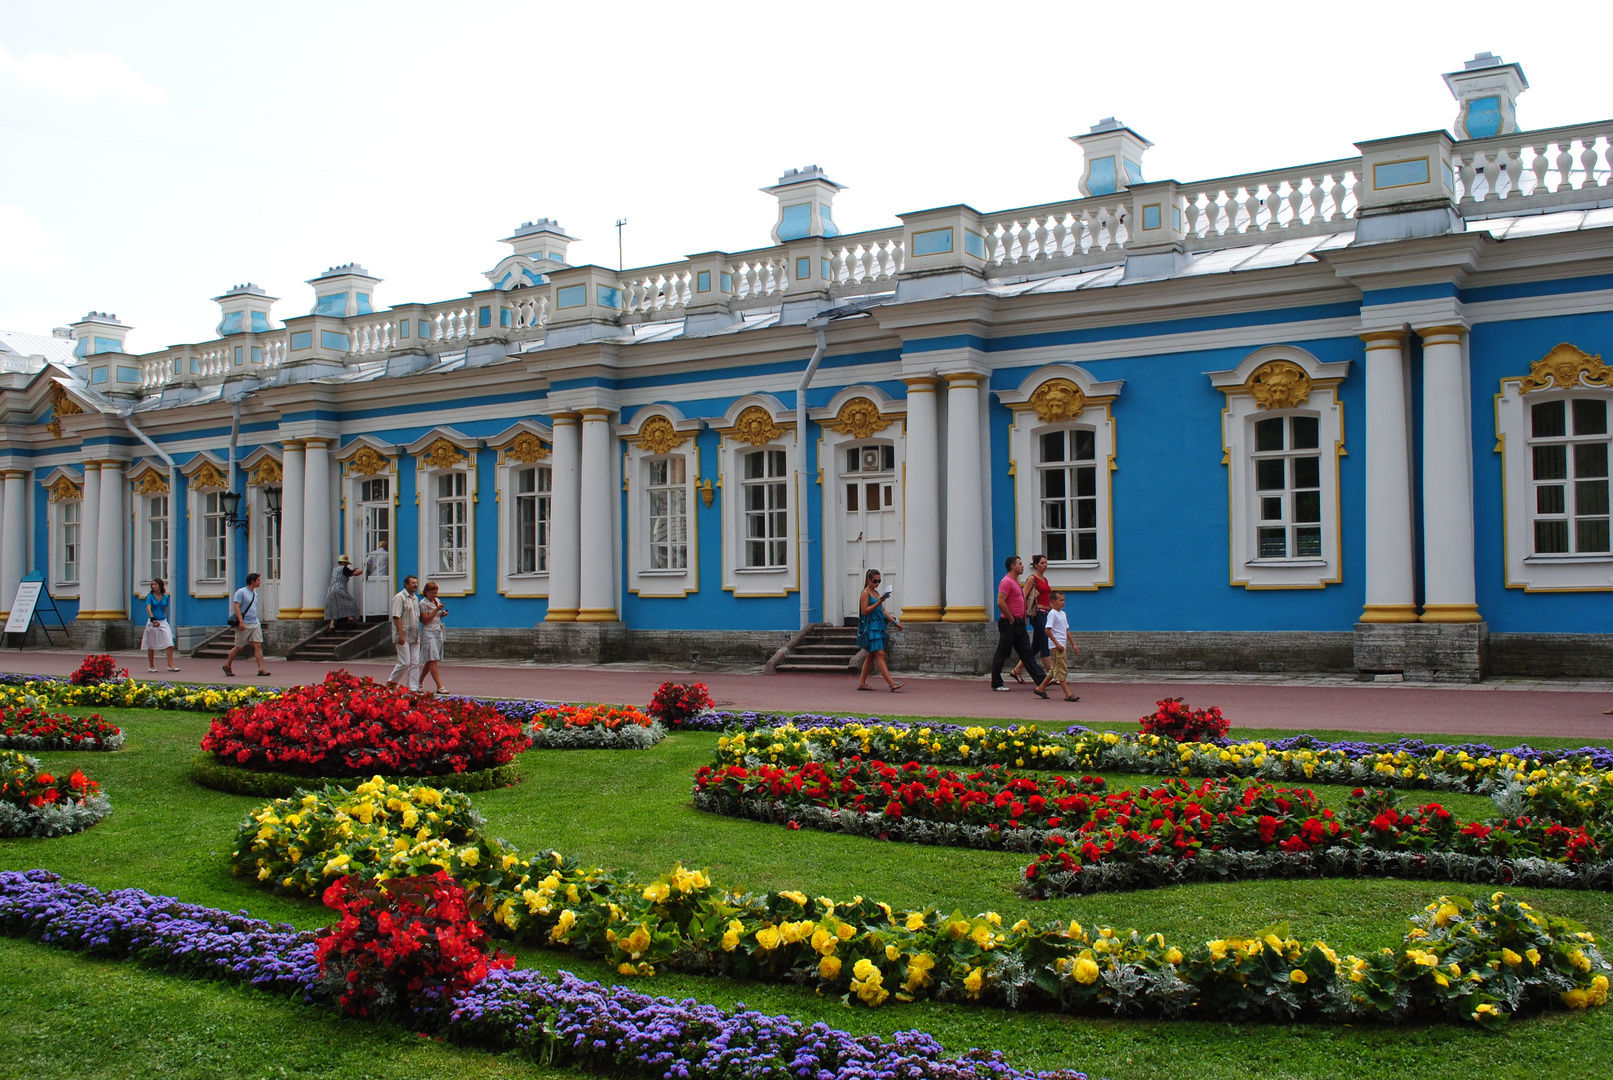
(176, 669)
(261, 674)
(897, 687)
(228, 672)
(1017, 677)
(1076, 697)
(1039, 692)
(870, 689)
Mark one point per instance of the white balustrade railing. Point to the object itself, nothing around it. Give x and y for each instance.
(160, 371)
(371, 337)
(657, 290)
(1534, 165)
(274, 353)
(1311, 199)
(866, 258)
(453, 323)
(1056, 231)
(529, 308)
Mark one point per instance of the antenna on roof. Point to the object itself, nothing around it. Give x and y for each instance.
(620, 264)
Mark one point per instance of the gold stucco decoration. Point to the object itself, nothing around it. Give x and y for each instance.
(755, 426)
(1278, 384)
(443, 454)
(61, 405)
(860, 418)
(65, 488)
(525, 448)
(207, 478)
(658, 436)
(151, 482)
(1057, 400)
(265, 473)
(1568, 367)
(367, 461)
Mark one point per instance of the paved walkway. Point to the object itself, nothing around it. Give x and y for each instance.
(1567, 708)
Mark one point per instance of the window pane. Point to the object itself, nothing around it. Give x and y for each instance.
(1592, 535)
(1053, 516)
(1053, 446)
(1087, 546)
(1551, 462)
(1053, 484)
(1271, 508)
(753, 465)
(775, 463)
(1086, 482)
(658, 503)
(872, 501)
(658, 472)
(1551, 537)
(1309, 542)
(1551, 499)
(853, 460)
(1546, 420)
(888, 454)
(1273, 543)
(1269, 434)
(1590, 498)
(1590, 459)
(1307, 472)
(1053, 544)
(1085, 444)
(1308, 506)
(675, 470)
(525, 480)
(851, 497)
(1269, 475)
(1590, 416)
(1305, 432)
(1086, 514)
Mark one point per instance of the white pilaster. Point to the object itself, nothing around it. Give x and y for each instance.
(111, 553)
(89, 533)
(293, 491)
(565, 550)
(13, 534)
(966, 553)
(1449, 591)
(316, 552)
(921, 553)
(595, 527)
(1390, 574)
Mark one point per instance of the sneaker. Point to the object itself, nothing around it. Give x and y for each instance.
(1002, 689)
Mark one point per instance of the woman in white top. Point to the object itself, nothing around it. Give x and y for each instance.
(159, 632)
(432, 612)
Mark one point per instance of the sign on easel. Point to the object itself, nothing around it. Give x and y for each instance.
(22, 608)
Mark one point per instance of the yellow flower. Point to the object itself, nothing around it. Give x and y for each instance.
(823, 941)
(1173, 956)
(981, 936)
(1086, 971)
(561, 934)
(657, 892)
(636, 942)
(915, 920)
(829, 968)
(892, 953)
(918, 970)
(973, 981)
(798, 897)
(470, 856)
(768, 938)
(1298, 976)
(846, 931)
(1218, 949)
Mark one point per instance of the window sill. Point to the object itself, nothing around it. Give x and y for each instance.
(1590, 559)
(761, 569)
(1306, 561)
(1078, 564)
(663, 573)
(539, 576)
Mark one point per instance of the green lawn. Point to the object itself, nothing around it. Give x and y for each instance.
(630, 809)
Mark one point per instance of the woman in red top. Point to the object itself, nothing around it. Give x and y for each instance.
(1038, 602)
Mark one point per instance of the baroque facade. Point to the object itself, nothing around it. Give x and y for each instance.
(1350, 414)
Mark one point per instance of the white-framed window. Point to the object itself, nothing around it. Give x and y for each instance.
(1062, 449)
(69, 536)
(765, 499)
(533, 507)
(1555, 445)
(662, 508)
(215, 538)
(451, 515)
(1283, 435)
(272, 535)
(156, 535)
(667, 518)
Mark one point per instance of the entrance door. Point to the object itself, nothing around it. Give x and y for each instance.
(375, 543)
(871, 522)
(265, 552)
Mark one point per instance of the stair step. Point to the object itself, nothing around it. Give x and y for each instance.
(807, 666)
(825, 648)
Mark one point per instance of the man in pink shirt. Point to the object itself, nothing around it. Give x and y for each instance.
(1011, 629)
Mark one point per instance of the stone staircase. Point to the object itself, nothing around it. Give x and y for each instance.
(215, 646)
(347, 641)
(831, 650)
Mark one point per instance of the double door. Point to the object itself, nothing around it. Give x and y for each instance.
(375, 544)
(871, 522)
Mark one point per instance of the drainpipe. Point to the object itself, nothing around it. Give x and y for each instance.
(800, 466)
(173, 478)
(235, 440)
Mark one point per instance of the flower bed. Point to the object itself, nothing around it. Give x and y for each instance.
(96, 669)
(28, 728)
(866, 952)
(35, 803)
(594, 727)
(47, 691)
(614, 1031)
(348, 726)
(207, 771)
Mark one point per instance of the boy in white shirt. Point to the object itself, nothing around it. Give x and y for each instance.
(1058, 638)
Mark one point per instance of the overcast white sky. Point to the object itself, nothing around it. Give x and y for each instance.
(152, 155)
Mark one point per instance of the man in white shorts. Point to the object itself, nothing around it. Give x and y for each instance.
(406, 635)
(248, 626)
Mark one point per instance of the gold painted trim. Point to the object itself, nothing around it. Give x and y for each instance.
(1429, 334)
(964, 378)
(921, 614)
(561, 615)
(958, 614)
(1389, 613)
(1396, 336)
(1451, 613)
(597, 615)
(921, 384)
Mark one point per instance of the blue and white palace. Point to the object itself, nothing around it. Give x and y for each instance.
(1345, 415)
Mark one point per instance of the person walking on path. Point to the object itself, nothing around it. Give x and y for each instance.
(340, 604)
(248, 627)
(1058, 633)
(1011, 634)
(406, 634)
(1038, 602)
(159, 632)
(432, 613)
(871, 622)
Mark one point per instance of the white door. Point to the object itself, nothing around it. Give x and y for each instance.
(871, 522)
(375, 543)
(264, 553)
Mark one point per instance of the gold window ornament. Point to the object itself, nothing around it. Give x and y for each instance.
(1057, 400)
(208, 478)
(860, 418)
(65, 488)
(443, 454)
(151, 482)
(1278, 384)
(658, 436)
(525, 448)
(265, 473)
(755, 426)
(367, 461)
(61, 405)
(1566, 367)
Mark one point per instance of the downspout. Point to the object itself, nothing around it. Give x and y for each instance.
(235, 439)
(804, 551)
(173, 479)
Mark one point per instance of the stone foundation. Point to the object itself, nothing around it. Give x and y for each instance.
(1427, 652)
(608, 643)
(1583, 656)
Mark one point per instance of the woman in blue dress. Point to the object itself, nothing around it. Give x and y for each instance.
(159, 631)
(871, 620)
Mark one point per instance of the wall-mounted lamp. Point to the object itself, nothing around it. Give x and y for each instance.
(233, 517)
(707, 493)
(271, 502)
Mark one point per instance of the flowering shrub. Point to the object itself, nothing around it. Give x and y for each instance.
(28, 728)
(614, 1030)
(594, 727)
(405, 947)
(1175, 719)
(675, 704)
(35, 803)
(348, 726)
(96, 669)
(864, 951)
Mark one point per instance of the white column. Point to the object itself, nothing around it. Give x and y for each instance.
(595, 529)
(1449, 591)
(13, 534)
(111, 552)
(1390, 574)
(966, 554)
(292, 493)
(316, 552)
(89, 534)
(565, 540)
(921, 551)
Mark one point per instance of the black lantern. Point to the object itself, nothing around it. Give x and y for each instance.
(231, 501)
(271, 502)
